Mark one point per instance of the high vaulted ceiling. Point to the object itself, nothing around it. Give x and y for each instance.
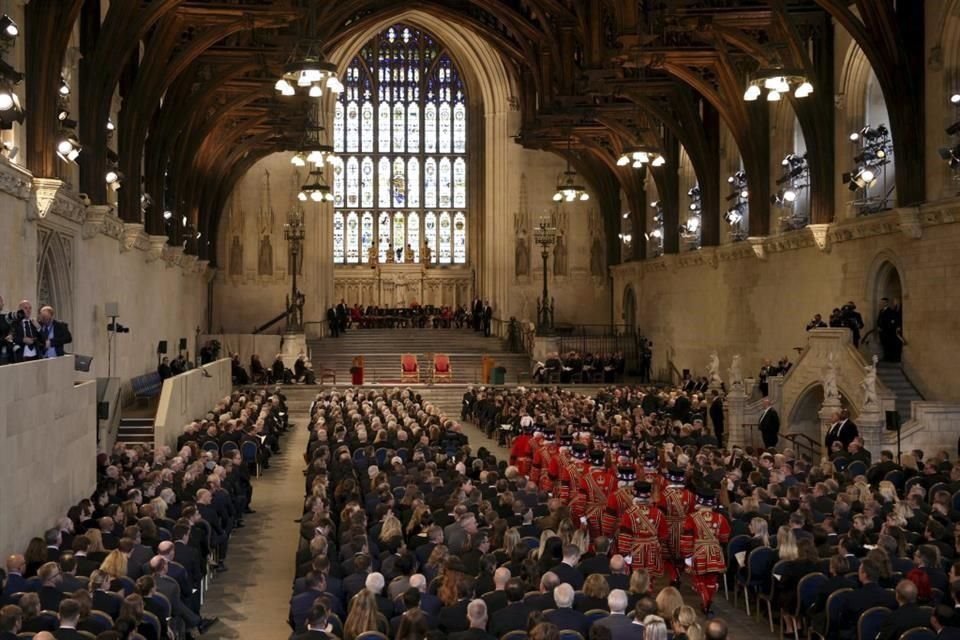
(198, 105)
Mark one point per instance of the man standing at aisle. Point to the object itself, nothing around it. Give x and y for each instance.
(769, 425)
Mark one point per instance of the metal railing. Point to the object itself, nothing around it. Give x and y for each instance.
(804, 444)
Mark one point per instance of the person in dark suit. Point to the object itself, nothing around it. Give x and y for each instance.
(69, 612)
(69, 582)
(843, 430)
(454, 618)
(567, 570)
(477, 615)
(26, 334)
(907, 615)
(565, 617)
(600, 561)
(944, 621)
(188, 556)
(16, 583)
(49, 593)
(487, 318)
(621, 627)
(514, 616)
(769, 425)
(11, 617)
(870, 594)
(497, 599)
(302, 604)
(54, 335)
(316, 624)
(716, 415)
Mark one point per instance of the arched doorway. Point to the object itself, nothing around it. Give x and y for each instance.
(887, 285)
(804, 418)
(630, 310)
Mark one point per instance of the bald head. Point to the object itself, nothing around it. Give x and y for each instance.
(16, 563)
(166, 549)
(906, 592)
(44, 635)
(501, 577)
(616, 564)
(477, 614)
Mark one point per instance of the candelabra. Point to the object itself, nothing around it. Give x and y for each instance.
(545, 235)
(294, 233)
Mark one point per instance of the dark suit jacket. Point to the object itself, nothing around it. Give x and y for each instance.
(596, 564)
(59, 336)
(861, 599)
(618, 581)
(495, 600)
(191, 561)
(513, 617)
(569, 619)
(139, 556)
(903, 619)
(471, 634)
(69, 584)
(621, 627)
(109, 604)
(16, 583)
(770, 423)
(68, 634)
(311, 635)
(50, 598)
(454, 618)
(568, 574)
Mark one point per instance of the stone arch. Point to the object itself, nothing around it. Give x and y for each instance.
(630, 308)
(804, 415)
(885, 278)
(55, 272)
(946, 53)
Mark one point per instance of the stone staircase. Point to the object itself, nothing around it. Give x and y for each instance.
(891, 374)
(381, 350)
(135, 431)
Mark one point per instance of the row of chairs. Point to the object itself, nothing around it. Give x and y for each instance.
(249, 451)
(410, 368)
(104, 620)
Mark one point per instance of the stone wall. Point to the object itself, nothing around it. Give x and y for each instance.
(754, 298)
(48, 447)
(189, 396)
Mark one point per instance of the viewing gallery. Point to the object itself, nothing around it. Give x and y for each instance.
(479, 319)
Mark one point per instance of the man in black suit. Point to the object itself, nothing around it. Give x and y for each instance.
(943, 622)
(11, 617)
(513, 617)
(843, 430)
(600, 561)
(487, 318)
(870, 594)
(85, 566)
(497, 599)
(716, 416)
(54, 335)
(906, 616)
(316, 624)
(69, 611)
(769, 425)
(50, 595)
(567, 569)
(477, 615)
(52, 538)
(188, 556)
(342, 316)
(565, 616)
(26, 333)
(69, 582)
(619, 577)
(454, 618)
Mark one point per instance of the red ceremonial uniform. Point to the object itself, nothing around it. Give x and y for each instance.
(656, 480)
(642, 527)
(704, 531)
(572, 471)
(521, 453)
(536, 460)
(676, 503)
(549, 471)
(617, 503)
(596, 485)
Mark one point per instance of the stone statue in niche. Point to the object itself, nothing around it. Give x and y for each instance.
(522, 255)
(598, 266)
(236, 257)
(265, 220)
(713, 369)
(265, 258)
(560, 256)
(830, 391)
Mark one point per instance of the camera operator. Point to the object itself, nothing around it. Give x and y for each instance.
(852, 320)
(26, 333)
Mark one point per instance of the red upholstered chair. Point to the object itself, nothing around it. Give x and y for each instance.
(441, 367)
(409, 368)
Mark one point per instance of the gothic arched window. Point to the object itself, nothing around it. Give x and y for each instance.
(400, 132)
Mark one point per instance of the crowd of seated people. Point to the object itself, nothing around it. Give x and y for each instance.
(132, 561)
(277, 373)
(414, 316)
(25, 337)
(574, 366)
(409, 532)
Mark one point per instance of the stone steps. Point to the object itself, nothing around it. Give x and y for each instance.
(892, 375)
(135, 431)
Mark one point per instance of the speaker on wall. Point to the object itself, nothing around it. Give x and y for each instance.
(162, 346)
(112, 309)
(103, 411)
(183, 344)
(893, 420)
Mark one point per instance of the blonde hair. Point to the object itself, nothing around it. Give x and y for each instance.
(362, 616)
(391, 529)
(511, 538)
(640, 582)
(545, 535)
(595, 586)
(787, 544)
(758, 526)
(96, 541)
(115, 564)
(888, 491)
(581, 539)
(668, 601)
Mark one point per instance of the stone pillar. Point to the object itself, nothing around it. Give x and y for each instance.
(830, 407)
(496, 268)
(871, 423)
(317, 279)
(739, 434)
(292, 346)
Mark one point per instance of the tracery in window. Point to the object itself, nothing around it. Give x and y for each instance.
(404, 108)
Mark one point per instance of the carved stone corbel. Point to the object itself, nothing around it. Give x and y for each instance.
(131, 236)
(14, 180)
(101, 218)
(51, 197)
(187, 261)
(173, 256)
(758, 246)
(821, 236)
(157, 246)
(910, 223)
(200, 266)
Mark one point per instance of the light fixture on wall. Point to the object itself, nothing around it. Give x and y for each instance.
(690, 230)
(638, 157)
(777, 82)
(317, 190)
(951, 154)
(114, 178)
(795, 178)
(10, 109)
(64, 89)
(873, 150)
(68, 146)
(740, 198)
(9, 29)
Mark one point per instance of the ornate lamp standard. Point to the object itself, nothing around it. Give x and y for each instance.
(294, 233)
(545, 235)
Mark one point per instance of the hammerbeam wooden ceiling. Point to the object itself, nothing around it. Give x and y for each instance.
(595, 77)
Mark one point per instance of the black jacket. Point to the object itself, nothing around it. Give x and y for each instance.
(902, 619)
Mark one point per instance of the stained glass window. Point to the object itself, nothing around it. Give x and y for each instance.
(404, 108)
(353, 238)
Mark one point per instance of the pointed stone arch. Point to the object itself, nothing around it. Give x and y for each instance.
(55, 272)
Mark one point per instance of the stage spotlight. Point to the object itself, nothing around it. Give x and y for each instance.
(68, 147)
(8, 28)
(955, 98)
